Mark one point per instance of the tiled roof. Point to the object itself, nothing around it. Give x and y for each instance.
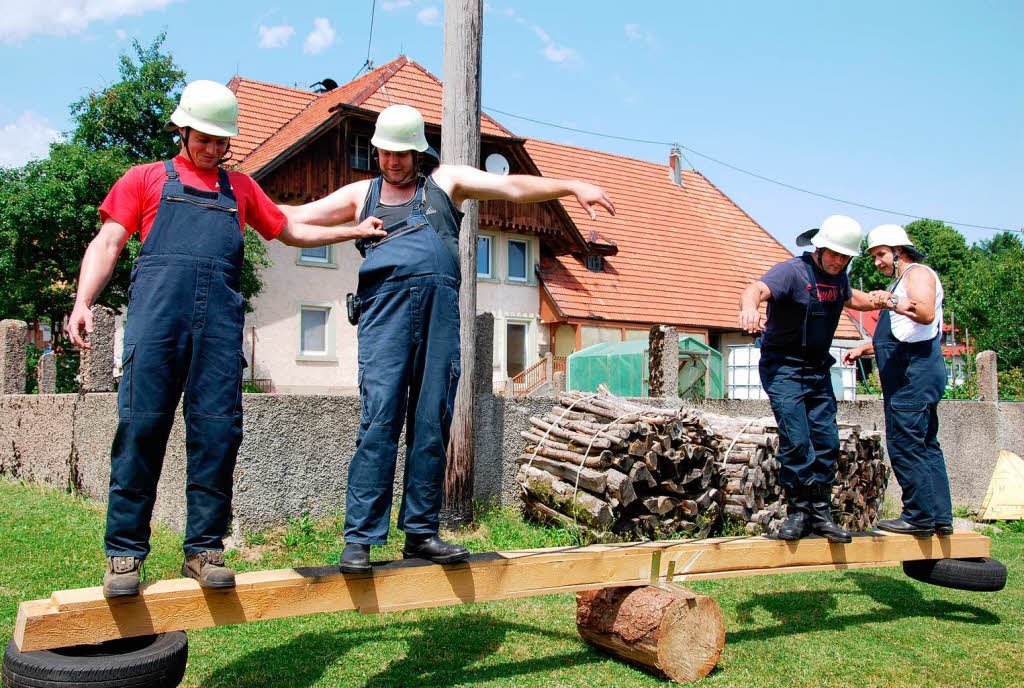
(685, 254)
(399, 81)
(262, 110)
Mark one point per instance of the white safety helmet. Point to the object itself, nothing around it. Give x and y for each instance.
(837, 233)
(399, 128)
(208, 107)
(895, 236)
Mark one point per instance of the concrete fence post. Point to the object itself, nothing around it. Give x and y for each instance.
(988, 376)
(663, 359)
(12, 356)
(484, 354)
(97, 367)
(549, 365)
(46, 373)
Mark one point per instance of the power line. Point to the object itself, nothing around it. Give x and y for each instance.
(368, 64)
(743, 171)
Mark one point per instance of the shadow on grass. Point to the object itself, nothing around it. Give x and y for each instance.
(438, 653)
(814, 610)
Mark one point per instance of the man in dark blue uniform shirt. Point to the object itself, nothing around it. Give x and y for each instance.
(806, 296)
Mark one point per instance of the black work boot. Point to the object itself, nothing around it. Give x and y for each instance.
(798, 509)
(898, 525)
(944, 529)
(208, 568)
(355, 558)
(122, 577)
(433, 548)
(821, 515)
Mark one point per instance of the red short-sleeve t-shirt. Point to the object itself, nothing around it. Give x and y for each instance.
(133, 200)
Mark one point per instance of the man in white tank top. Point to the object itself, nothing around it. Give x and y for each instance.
(908, 347)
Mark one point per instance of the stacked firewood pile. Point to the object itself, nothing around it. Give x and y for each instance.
(622, 470)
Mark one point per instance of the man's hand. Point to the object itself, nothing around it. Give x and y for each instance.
(370, 228)
(750, 320)
(590, 195)
(880, 299)
(81, 317)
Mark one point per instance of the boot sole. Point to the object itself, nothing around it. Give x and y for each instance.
(449, 559)
(916, 533)
(209, 586)
(353, 569)
(111, 594)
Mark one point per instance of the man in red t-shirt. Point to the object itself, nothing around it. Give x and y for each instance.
(183, 333)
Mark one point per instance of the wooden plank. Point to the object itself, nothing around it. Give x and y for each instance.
(72, 617)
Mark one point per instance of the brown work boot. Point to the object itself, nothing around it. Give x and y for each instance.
(122, 577)
(208, 568)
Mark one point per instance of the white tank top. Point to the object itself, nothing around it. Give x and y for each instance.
(905, 329)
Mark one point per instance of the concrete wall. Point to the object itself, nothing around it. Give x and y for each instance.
(296, 451)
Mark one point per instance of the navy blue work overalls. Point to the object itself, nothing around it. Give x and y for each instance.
(798, 382)
(913, 377)
(409, 367)
(183, 333)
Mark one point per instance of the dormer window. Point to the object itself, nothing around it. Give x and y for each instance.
(595, 262)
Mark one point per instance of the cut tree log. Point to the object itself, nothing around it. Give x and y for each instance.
(587, 508)
(666, 630)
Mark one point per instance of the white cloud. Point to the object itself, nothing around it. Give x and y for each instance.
(392, 5)
(560, 54)
(121, 34)
(635, 32)
(320, 38)
(26, 138)
(429, 16)
(65, 17)
(275, 36)
(552, 51)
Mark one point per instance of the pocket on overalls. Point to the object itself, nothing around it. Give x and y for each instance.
(454, 373)
(124, 387)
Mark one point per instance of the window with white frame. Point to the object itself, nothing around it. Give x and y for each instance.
(518, 260)
(359, 158)
(314, 333)
(483, 257)
(317, 255)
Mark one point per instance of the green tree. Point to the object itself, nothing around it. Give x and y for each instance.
(1004, 241)
(48, 208)
(991, 305)
(131, 114)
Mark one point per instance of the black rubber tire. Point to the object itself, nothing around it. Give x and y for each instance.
(981, 574)
(156, 661)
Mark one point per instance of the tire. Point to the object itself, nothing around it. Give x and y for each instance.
(156, 661)
(982, 574)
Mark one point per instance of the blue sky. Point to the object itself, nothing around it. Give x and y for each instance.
(909, 106)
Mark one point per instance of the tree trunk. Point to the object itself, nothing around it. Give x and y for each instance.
(668, 631)
(460, 145)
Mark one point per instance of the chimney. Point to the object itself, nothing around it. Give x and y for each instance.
(675, 165)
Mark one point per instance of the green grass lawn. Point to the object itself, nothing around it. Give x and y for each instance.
(872, 627)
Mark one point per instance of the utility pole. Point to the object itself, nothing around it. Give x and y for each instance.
(460, 145)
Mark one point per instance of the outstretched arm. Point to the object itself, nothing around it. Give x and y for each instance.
(750, 306)
(862, 301)
(338, 208)
(310, 236)
(463, 182)
(97, 267)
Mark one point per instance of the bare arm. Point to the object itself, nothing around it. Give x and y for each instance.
(861, 301)
(919, 305)
(97, 267)
(866, 349)
(462, 182)
(750, 306)
(310, 236)
(338, 208)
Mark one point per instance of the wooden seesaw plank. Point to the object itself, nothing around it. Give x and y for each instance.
(72, 617)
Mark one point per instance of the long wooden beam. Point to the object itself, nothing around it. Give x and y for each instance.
(72, 617)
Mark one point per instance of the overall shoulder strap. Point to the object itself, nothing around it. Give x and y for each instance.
(169, 169)
(372, 198)
(225, 182)
(812, 280)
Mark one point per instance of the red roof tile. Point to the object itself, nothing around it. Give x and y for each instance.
(685, 254)
(262, 110)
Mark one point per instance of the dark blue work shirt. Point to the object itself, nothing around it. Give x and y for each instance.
(791, 296)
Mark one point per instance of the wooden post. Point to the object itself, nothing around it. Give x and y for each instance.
(460, 145)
